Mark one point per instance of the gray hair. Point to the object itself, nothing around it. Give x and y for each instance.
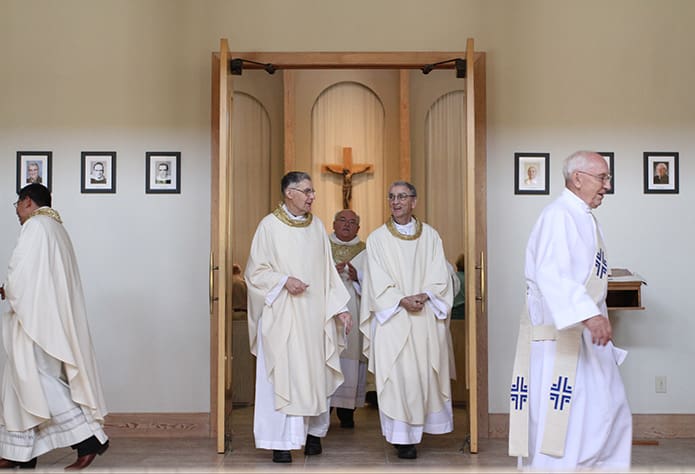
(577, 161)
(293, 177)
(411, 188)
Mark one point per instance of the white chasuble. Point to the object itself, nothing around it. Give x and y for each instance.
(408, 353)
(561, 252)
(301, 339)
(46, 327)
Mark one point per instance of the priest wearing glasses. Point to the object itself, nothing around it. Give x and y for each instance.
(298, 323)
(406, 302)
(568, 409)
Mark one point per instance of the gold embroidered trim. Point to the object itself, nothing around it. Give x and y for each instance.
(282, 215)
(46, 211)
(392, 228)
(345, 253)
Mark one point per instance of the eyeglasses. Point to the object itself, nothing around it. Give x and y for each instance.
(307, 192)
(399, 197)
(606, 178)
(16, 203)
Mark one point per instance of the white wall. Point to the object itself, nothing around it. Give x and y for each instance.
(134, 76)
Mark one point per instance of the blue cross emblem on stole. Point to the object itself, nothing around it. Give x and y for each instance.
(560, 393)
(519, 392)
(601, 264)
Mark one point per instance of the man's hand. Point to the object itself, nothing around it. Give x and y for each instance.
(352, 271)
(414, 303)
(295, 286)
(346, 318)
(600, 328)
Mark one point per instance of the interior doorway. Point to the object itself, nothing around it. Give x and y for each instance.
(225, 236)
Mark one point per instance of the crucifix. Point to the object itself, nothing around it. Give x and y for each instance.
(347, 170)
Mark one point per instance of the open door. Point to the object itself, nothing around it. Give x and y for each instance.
(220, 236)
(475, 247)
(473, 212)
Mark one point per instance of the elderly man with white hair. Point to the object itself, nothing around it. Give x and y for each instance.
(568, 408)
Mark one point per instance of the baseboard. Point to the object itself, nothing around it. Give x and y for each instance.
(659, 426)
(157, 425)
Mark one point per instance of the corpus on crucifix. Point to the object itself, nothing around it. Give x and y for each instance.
(347, 170)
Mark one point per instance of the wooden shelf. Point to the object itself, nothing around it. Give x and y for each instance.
(624, 294)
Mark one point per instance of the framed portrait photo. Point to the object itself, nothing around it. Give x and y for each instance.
(660, 172)
(531, 173)
(98, 173)
(609, 156)
(163, 172)
(34, 167)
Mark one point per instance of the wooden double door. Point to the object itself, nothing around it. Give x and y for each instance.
(232, 189)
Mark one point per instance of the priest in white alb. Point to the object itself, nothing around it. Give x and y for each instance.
(298, 323)
(51, 392)
(568, 408)
(406, 302)
(349, 255)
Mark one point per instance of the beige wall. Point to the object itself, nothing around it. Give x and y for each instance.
(134, 76)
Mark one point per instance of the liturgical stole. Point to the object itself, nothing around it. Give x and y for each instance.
(562, 390)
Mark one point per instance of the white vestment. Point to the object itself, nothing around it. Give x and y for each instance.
(560, 255)
(410, 354)
(352, 392)
(296, 338)
(51, 392)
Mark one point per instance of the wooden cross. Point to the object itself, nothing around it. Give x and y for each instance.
(347, 170)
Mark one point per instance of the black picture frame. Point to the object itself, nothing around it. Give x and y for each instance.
(40, 163)
(531, 173)
(95, 178)
(656, 182)
(609, 156)
(155, 181)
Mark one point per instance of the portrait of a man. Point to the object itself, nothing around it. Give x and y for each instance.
(163, 172)
(33, 173)
(661, 173)
(98, 175)
(33, 167)
(532, 175)
(163, 176)
(98, 172)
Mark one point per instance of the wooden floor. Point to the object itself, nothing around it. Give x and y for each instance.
(361, 449)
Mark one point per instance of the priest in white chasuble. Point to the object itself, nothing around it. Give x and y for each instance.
(349, 255)
(51, 391)
(298, 323)
(406, 302)
(568, 408)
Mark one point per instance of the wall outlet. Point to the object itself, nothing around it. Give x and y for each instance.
(660, 383)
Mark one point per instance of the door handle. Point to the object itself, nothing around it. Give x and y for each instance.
(213, 268)
(481, 298)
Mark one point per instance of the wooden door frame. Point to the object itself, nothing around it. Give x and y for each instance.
(375, 60)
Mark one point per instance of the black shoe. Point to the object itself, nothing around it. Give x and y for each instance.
(345, 415)
(406, 451)
(8, 464)
(313, 445)
(372, 399)
(282, 456)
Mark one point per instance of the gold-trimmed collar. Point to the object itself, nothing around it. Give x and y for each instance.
(390, 225)
(46, 211)
(280, 213)
(345, 253)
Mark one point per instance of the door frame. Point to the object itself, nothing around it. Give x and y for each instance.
(474, 214)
